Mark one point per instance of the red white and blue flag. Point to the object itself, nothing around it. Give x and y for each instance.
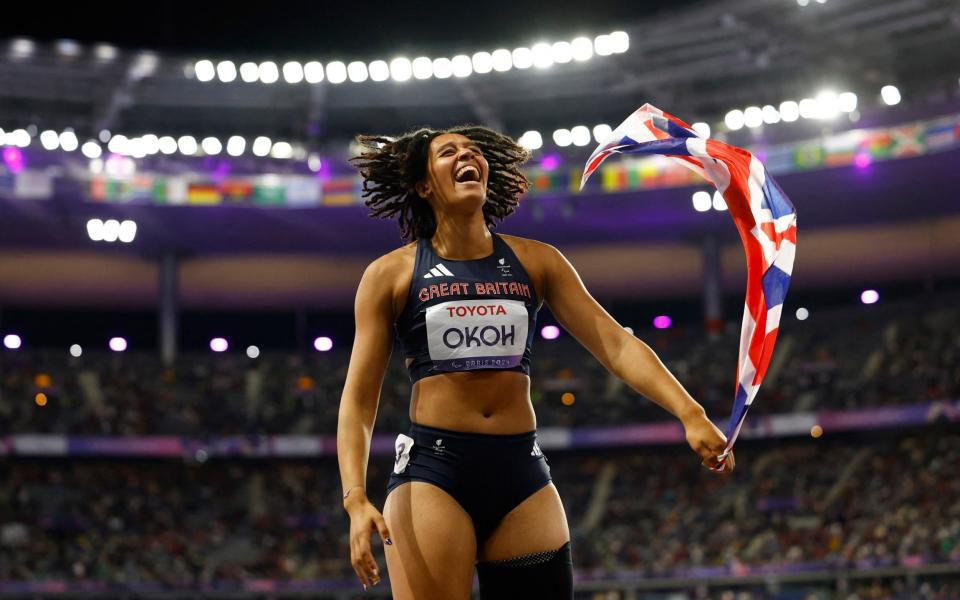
(764, 216)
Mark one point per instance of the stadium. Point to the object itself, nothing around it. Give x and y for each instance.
(183, 240)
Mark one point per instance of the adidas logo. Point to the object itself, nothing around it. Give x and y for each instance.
(536, 450)
(438, 271)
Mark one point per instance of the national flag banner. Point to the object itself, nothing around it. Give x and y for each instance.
(762, 213)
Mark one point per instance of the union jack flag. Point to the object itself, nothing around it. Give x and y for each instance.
(764, 216)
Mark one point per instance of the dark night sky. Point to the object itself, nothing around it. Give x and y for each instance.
(321, 27)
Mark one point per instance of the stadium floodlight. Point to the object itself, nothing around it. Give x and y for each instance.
(268, 72)
(249, 72)
(601, 132)
(281, 150)
(603, 45)
(119, 144)
(219, 344)
(502, 60)
(313, 72)
(187, 145)
(168, 145)
(111, 230)
(379, 70)
(562, 137)
(226, 71)
(96, 166)
(236, 145)
(151, 143)
(582, 49)
(128, 231)
(890, 95)
(561, 52)
(357, 71)
(809, 109)
(22, 48)
(69, 141)
(68, 48)
(336, 72)
(702, 201)
(870, 296)
(104, 135)
(49, 140)
(422, 67)
(803, 2)
(522, 58)
(314, 162)
(19, 138)
(95, 230)
(292, 72)
(542, 55)
(719, 203)
(442, 68)
(734, 119)
(662, 322)
(105, 52)
(401, 69)
(253, 351)
(117, 344)
(76, 351)
(789, 111)
(847, 102)
(580, 135)
(771, 115)
(702, 129)
(261, 146)
(550, 332)
(461, 65)
(12, 341)
(753, 116)
(827, 104)
(619, 42)
(204, 70)
(482, 62)
(137, 148)
(531, 140)
(323, 344)
(802, 314)
(91, 149)
(211, 146)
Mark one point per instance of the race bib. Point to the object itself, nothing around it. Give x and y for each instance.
(476, 334)
(402, 446)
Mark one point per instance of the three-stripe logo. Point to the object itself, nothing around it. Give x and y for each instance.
(438, 271)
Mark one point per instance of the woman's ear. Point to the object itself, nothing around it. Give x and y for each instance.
(423, 188)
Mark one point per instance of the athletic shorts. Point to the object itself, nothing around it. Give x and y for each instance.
(488, 475)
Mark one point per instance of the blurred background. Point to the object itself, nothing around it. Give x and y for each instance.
(181, 239)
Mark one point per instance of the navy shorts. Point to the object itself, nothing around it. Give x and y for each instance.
(488, 475)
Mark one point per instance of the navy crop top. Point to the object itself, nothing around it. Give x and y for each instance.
(466, 315)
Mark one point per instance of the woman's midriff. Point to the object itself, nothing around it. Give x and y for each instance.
(494, 402)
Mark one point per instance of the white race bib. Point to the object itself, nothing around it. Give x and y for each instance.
(402, 446)
(464, 335)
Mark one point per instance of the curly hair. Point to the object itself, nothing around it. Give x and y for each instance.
(391, 168)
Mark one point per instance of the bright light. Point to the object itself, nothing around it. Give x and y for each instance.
(562, 52)
(400, 69)
(442, 68)
(702, 129)
(76, 351)
(522, 58)
(95, 229)
(422, 67)
(662, 322)
(461, 65)
(249, 72)
(870, 296)
(151, 143)
(502, 60)
(12, 341)
(357, 71)
(734, 119)
(602, 45)
(803, 2)
(562, 137)
(96, 166)
(482, 62)
(601, 132)
(236, 145)
(620, 42)
(128, 231)
(753, 117)
(827, 104)
(542, 55)
(336, 72)
(582, 49)
(379, 70)
(789, 111)
(137, 148)
(281, 150)
(117, 344)
(211, 146)
(323, 344)
(111, 230)
(701, 201)
(847, 102)
(204, 70)
(91, 149)
(21, 47)
(219, 344)
(890, 95)
(770, 114)
(226, 71)
(550, 332)
(104, 135)
(718, 201)
(313, 72)
(292, 72)
(49, 140)
(168, 145)
(187, 144)
(809, 109)
(253, 351)
(580, 135)
(802, 314)
(267, 72)
(314, 162)
(531, 140)
(19, 138)
(261, 146)
(68, 48)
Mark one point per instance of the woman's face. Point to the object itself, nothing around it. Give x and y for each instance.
(457, 174)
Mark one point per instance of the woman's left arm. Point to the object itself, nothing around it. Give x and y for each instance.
(624, 355)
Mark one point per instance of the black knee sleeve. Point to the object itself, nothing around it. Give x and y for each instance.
(545, 575)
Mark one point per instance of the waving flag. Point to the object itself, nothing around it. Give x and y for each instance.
(763, 214)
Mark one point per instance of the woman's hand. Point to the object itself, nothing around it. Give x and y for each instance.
(364, 520)
(708, 441)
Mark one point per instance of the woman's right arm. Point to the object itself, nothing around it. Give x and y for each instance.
(372, 344)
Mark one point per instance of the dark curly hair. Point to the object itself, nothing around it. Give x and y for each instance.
(391, 168)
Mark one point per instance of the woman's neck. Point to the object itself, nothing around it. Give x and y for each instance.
(462, 238)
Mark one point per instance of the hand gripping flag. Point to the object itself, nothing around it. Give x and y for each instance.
(763, 214)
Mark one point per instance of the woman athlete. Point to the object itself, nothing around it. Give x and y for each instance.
(470, 486)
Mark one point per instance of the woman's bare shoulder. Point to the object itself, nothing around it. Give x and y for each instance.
(396, 261)
(527, 246)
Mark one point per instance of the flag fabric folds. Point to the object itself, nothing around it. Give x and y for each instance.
(762, 213)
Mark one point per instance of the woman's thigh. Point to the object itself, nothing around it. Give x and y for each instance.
(434, 548)
(538, 524)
